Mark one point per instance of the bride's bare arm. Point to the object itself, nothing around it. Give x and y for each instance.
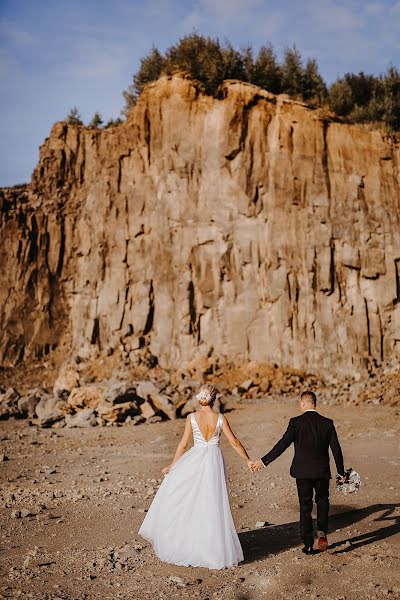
(235, 442)
(181, 448)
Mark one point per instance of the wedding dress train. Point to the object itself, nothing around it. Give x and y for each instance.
(189, 522)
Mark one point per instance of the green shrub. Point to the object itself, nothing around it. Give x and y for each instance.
(200, 57)
(96, 121)
(341, 99)
(113, 123)
(74, 117)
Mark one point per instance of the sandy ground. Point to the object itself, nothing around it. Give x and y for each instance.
(88, 490)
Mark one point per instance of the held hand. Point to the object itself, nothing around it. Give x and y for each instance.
(251, 464)
(258, 465)
(343, 478)
(166, 470)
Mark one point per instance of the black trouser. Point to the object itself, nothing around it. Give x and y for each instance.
(305, 489)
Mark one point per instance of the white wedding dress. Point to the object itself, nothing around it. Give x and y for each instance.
(189, 522)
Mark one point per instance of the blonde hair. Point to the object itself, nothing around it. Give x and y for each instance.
(207, 394)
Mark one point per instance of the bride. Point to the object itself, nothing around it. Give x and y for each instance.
(189, 522)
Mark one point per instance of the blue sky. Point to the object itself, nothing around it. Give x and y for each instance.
(58, 53)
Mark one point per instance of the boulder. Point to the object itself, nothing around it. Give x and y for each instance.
(245, 386)
(189, 406)
(147, 410)
(27, 404)
(83, 418)
(68, 379)
(49, 410)
(147, 390)
(118, 392)
(9, 404)
(88, 396)
(116, 413)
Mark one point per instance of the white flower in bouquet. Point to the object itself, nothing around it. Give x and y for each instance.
(351, 484)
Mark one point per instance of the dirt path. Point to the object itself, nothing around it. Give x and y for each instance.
(88, 489)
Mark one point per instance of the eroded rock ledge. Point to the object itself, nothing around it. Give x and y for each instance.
(247, 227)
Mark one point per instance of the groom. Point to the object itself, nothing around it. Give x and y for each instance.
(312, 435)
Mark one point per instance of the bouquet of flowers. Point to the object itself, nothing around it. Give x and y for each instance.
(351, 483)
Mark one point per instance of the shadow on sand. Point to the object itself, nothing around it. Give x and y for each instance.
(260, 543)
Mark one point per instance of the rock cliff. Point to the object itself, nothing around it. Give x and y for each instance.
(246, 227)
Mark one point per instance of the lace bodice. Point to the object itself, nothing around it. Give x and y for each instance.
(198, 437)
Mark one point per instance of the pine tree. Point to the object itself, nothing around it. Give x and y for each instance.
(74, 117)
(391, 84)
(113, 122)
(248, 62)
(201, 58)
(292, 72)
(233, 64)
(96, 121)
(314, 87)
(151, 67)
(266, 71)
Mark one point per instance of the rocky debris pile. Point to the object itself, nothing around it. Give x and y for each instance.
(77, 401)
(104, 403)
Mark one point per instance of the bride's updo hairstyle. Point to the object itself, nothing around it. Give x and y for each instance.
(207, 395)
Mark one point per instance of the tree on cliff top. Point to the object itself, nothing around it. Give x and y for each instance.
(314, 87)
(202, 58)
(151, 67)
(96, 121)
(266, 72)
(74, 117)
(357, 97)
(292, 73)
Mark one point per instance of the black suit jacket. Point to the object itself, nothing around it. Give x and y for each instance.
(312, 435)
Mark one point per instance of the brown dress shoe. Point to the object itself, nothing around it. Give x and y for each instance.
(322, 543)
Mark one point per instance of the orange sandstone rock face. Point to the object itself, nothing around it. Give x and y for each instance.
(246, 227)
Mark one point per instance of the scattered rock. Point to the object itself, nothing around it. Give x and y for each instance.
(117, 413)
(147, 410)
(261, 523)
(137, 419)
(9, 404)
(178, 580)
(245, 386)
(44, 516)
(67, 380)
(120, 392)
(83, 418)
(88, 396)
(189, 406)
(155, 419)
(49, 410)
(27, 404)
(147, 390)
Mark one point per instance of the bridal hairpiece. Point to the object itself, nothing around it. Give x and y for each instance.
(204, 394)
